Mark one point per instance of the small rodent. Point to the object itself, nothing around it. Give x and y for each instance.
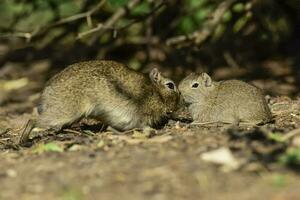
(227, 101)
(107, 90)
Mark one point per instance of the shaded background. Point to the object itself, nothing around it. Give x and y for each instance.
(256, 41)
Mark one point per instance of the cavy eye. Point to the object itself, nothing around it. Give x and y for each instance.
(170, 85)
(195, 85)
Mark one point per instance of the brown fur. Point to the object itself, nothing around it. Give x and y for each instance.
(109, 91)
(226, 101)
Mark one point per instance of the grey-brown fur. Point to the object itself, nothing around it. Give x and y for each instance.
(225, 101)
(120, 97)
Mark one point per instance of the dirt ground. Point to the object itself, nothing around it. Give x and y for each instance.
(180, 161)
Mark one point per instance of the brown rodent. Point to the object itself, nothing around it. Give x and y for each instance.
(120, 97)
(228, 101)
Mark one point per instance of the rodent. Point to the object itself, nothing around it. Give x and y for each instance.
(228, 101)
(107, 90)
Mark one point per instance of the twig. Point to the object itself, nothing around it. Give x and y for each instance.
(230, 61)
(88, 32)
(86, 14)
(111, 21)
(72, 131)
(5, 131)
(155, 9)
(291, 134)
(199, 36)
(210, 124)
(25, 35)
(100, 27)
(29, 35)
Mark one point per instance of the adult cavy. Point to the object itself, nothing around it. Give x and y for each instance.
(120, 97)
(225, 101)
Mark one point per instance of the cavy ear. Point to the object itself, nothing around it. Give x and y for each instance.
(155, 75)
(206, 79)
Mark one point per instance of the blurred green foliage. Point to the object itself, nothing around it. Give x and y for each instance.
(72, 193)
(291, 157)
(30, 15)
(118, 3)
(195, 14)
(265, 23)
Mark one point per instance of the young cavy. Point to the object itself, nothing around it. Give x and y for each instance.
(228, 101)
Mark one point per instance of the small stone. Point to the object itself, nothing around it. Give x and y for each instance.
(11, 173)
(223, 157)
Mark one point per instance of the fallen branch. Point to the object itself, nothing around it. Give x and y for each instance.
(199, 36)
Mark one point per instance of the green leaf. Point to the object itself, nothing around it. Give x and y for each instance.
(291, 157)
(279, 180)
(48, 147)
(238, 7)
(283, 26)
(118, 3)
(72, 194)
(35, 20)
(9, 10)
(219, 32)
(276, 137)
(41, 4)
(187, 25)
(142, 8)
(264, 36)
(227, 16)
(240, 23)
(195, 3)
(68, 9)
(201, 14)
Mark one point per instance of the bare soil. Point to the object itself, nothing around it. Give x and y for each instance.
(85, 162)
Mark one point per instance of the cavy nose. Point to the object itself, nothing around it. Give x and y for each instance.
(181, 100)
